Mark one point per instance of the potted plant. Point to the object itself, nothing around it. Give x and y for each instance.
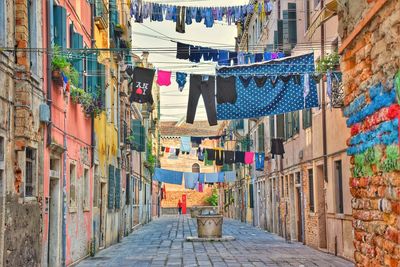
(329, 63)
(119, 30)
(59, 64)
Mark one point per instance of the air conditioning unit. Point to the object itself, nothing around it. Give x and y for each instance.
(54, 174)
(44, 113)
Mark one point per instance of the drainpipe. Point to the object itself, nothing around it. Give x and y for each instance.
(64, 208)
(49, 59)
(92, 7)
(303, 206)
(323, 103)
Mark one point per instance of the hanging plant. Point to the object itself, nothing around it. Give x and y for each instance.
(329, 62)
(60, 64)
(90, 104)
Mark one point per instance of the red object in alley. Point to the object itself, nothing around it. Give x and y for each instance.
(184, 204)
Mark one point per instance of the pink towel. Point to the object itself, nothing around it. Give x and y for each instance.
(163, 78)
(248, 157)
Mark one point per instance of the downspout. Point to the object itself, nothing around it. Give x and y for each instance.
(64, 219)
(49, 59)
(303, 206)
(323, 103)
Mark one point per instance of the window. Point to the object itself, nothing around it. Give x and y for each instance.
(117, 188)
(339, 186)
(316, 3)
(1, 149)
(298, 178)
(311, 190)
(32, 35)
(307, 118)
(260, 136)
(308, 14)
(30, 172)
(111, 187)
(72, 186)
(3, 24)
(282, 187)
(60, 26)
(296, 122)
(288, 125)
(96, 186)
(86, 190)
(196, 168)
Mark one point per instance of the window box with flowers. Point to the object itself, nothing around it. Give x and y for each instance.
(60, 66)
(90, 104)
(330, 62)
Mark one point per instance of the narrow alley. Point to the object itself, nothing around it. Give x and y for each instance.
(162, 243)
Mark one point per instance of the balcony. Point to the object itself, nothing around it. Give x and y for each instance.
(101, 15)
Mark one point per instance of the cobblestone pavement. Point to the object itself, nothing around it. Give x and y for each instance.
(162, 243)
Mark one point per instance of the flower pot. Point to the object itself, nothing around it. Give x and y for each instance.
(57, 78)
(118, 31)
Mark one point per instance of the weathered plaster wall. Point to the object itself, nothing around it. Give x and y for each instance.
(369, 64)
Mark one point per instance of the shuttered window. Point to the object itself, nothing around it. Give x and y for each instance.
(251, 196)
(138, 142)
(288, 125)
(111, 187)
(311, 190)
(101, 80)
(307, 118)
(292, 24)
(76, 42)
(272, 126)
(60, 26)
(296, 122)
(92, 75)
(117, 188)
(280, 126)
(260, 136)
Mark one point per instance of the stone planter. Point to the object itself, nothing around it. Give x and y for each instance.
(194, 212)
(209, 226)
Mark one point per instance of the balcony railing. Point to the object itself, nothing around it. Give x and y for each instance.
(101, 15)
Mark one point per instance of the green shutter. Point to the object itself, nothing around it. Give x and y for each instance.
(251, 196)
(92, 72)
(60, 26)
(295, 122)
(307, 118)
(280, 34)
(117, 188)
(139, 136)
(280, 126)
(111, 187)
(76, 42)
(261, 137)
(292, 24)
(289, 125)
(272, 126)
(101, 79)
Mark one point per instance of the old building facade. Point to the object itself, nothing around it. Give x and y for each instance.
(296, 196)
(370, 63)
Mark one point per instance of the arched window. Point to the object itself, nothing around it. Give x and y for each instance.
(196, 168)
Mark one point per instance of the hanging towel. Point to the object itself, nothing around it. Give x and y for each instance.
(210, 154)
(223, 58)
(163, 78)
(185, 144)
(226, 90)
(168, 176)
(248, 157)
(221, 177)
(200, 189)
(230, 176)
(260, 157)
(211, 178)
(182, 51)
(219, 157)
(200, 154)
(207, 162)
(239, 157)
(190, 179)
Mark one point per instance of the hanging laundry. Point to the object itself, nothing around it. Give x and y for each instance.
(229, 157)
(167, 176)
(219, 157)
(210, 154)
(177, 151)
(259, 57)
(180, 19)
(221, 177)
(200, 187)
(254, 102)
(204, 86)
(200, 154)
(248, 157)
(260, 158)
(240, 58)
(223, 58)
(296, 79)
(172, 151)
(185, 144)
(273, 80)
(285, 78)
(230, 176)
(246, 80)
(162, 148)
(226, 90)
(306, 87)
(201, 178)
(163, 78)
(190, 179)
(167, 149)
(260, 80)
(211, 178)
(141, 85)
(208, 18)
(277, 147)
(182, 51)
(188, 16)
(207, 161)
(329, 83)
(233, 56)
(195, 54)
(196, 140)
(239, 157)
(181, 80)
(267, 56)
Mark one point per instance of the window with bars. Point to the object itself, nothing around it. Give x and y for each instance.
(339, 186)
(311, 190)
(30, 172)
(72, 185)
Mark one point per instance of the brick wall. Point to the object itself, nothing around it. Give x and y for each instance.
(369, 64)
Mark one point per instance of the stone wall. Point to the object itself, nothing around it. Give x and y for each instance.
(369, 64)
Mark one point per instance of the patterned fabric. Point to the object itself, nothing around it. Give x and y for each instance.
(255, 102)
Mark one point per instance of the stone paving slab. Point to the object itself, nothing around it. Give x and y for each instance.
(162, 243)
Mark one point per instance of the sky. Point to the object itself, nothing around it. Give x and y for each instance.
(157, 36)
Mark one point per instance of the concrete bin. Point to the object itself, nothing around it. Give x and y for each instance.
(209, 226)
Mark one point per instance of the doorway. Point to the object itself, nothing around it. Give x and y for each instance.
(298, 215)
(54, 204)
(103, 201)
(321, 207)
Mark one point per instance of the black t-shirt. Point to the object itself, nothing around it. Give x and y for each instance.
(226, 90)
(141, 84)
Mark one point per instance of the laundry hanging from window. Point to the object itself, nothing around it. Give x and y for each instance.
(141, 85)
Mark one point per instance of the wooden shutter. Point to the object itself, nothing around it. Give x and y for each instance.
(76, 42)
(292, 24)
(117, 188)
(111, 187)
(295, 122)
(60, 26)
(92, 80)
(280, 126)
(139, 135)
(251, 195)
(261, 137)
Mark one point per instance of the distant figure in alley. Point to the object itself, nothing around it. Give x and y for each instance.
(180, 207)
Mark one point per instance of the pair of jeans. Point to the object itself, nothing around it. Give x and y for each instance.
(205, 86)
